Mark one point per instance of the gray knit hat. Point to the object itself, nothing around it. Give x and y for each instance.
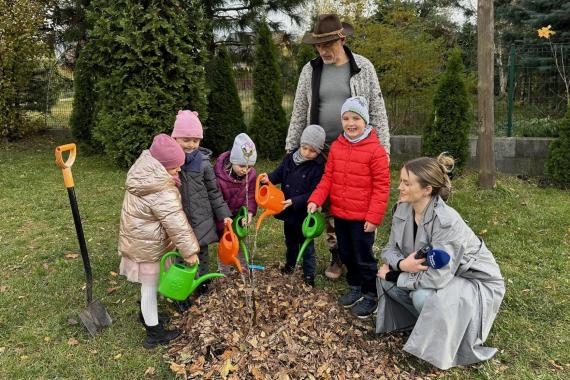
(243, 151)
(314, 135)
(356, 104)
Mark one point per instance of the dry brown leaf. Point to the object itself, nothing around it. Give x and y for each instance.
(115, 274)
(178, 369)
(226, 368)
(71, 255)
(111, 290)
(3, 288)
(257, 374)
(72, 341)
(150, 372)
(555, 365)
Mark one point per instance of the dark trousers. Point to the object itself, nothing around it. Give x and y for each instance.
(355, 248)
(293, 240)
(204, 261)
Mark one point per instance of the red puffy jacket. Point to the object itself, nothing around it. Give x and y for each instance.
(357, 178)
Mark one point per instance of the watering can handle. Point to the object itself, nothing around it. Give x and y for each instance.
(66, 165)
(163, 260)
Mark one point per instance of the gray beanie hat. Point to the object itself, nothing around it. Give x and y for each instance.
(314, 135)
(356, 104)
(243, 151)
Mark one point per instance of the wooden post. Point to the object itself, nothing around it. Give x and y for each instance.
(485, 93)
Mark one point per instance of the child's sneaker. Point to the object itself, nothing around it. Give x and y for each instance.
(353, 296)
(366, 307)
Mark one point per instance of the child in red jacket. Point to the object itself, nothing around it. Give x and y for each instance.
(357, 180)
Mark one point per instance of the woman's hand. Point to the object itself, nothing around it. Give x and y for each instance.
(412, 265)
(369, 227)
(263, 178)
(312, 207)
(382, 271)
(192, 260)
(286, 203)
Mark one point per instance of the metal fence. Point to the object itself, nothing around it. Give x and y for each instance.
(536, 98)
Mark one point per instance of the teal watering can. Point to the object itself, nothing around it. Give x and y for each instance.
(313, 226)
(241, 230)
(180, 281)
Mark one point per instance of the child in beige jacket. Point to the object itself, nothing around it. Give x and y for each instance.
(153, 223)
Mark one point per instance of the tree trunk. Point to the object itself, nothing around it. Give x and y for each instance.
(485, 96)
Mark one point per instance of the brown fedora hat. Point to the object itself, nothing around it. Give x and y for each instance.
(328, 28)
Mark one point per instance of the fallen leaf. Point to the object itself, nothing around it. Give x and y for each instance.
(72, 322)
(257, 374)
(555, 365)
(117, 357)
(71, 256)
(47, 338)
(227, 368)
(24, 357)
(2, 350)
(72, 341)
(150, 371)
(114, 274)
(178, 369)
(111, 290)
(3, 288)
(483, 232)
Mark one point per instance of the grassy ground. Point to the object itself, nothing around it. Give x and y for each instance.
(528, 229)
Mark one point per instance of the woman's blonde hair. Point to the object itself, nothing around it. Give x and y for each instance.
(433, 172)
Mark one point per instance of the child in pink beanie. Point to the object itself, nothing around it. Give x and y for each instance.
(201, 199)
(153, 223)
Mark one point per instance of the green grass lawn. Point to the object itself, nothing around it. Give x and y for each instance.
(526, 227)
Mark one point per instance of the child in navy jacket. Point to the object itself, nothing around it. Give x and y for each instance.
(299, 174)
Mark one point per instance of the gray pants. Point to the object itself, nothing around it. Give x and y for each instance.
(412, 300)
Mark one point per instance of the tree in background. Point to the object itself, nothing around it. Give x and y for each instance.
(149, 60)
(22, 47)
(225, 116)
(449, 129)
(407, 59)
(557, 166)
(268, 127)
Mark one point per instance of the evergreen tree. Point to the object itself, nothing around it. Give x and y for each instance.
(268, 127)
(449, 130)
(557, 165)
(149, 59)
(82, 116)
(225, 116)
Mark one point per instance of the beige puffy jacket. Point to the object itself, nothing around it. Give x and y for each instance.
(152, 219)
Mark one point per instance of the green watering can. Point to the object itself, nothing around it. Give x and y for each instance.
(180, 281)
(313, 226)
(241, 231)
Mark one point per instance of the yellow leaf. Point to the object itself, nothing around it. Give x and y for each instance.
(117, 357)
(545, 32)
(227, 368)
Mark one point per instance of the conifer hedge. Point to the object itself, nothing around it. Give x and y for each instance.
(225, 116)
(557, 165)
(149, 58)
(268, 127)
(449, 128)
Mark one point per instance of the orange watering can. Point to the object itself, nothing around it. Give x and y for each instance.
(229, 247)
(269, 197)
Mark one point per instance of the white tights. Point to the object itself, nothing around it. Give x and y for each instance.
(149, 306)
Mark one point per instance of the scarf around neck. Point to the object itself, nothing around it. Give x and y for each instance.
(364, 135)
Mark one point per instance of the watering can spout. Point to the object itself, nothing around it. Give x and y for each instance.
(263, 215)
(197, 282)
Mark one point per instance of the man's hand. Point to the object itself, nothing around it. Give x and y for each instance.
(412, 265)
(192, 260)
(382, 271)
(312, 207)
(369, 227)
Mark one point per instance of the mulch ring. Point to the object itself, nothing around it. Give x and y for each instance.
(301, 333)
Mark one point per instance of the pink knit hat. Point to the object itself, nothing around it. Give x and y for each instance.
(167, 151)
(187, 124)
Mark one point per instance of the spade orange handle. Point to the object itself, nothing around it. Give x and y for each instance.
(66, 165)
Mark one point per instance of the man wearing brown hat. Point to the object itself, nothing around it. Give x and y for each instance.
(324, 84)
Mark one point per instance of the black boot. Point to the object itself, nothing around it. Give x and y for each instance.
(156, 335)
(309, 280)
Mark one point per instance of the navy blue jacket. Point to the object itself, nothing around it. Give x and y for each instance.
(297, 182)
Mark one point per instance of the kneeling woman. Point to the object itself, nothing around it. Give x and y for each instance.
(451, 309)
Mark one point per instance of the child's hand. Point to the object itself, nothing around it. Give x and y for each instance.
(382, 271)
(263, 178)
(369, 227)
(312, 207)
(192, 260)
(249, 219)
(286, 203)
(228, 220)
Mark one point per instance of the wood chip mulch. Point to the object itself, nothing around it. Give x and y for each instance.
(300, 333)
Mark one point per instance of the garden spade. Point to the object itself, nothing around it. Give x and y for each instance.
(95, 317)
